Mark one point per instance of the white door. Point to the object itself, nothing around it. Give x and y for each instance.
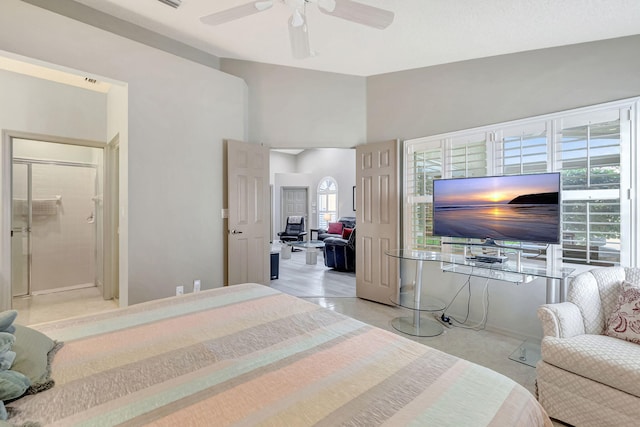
(249, 213)
(294, 203)
(378, 220)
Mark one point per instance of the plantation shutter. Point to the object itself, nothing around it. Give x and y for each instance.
(589, 152)
(456, 157)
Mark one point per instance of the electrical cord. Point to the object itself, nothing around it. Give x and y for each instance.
(485, 306)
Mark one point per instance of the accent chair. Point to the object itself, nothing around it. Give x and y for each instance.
(589, 374)
(294, 230)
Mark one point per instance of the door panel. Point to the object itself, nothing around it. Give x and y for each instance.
(249, 213)
(378, 216)
(63, 232)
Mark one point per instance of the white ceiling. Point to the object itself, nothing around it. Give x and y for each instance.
(424, 32)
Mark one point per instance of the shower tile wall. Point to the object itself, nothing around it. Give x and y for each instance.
(63, 242)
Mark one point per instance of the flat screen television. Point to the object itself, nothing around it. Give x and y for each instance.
(523, 208)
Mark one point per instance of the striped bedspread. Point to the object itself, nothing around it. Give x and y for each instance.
(248, 355)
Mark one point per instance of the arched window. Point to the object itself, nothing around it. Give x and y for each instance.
(327, 202)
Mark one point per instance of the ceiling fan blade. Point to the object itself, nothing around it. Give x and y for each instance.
(236, 12)
(299, 36)
(357, 12)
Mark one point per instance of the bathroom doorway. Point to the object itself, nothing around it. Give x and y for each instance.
(57, 217)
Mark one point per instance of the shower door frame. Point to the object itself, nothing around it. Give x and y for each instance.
(29, 228)
(6, 190)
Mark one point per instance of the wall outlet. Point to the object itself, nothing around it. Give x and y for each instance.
(179, 290)
(196, 285)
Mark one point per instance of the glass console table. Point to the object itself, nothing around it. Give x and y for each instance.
(514, 271)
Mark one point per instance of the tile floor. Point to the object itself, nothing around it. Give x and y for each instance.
(60, 305)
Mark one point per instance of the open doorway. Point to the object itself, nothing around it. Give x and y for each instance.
(294, 170)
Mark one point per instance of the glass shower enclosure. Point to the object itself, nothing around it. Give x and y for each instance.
(56, 227)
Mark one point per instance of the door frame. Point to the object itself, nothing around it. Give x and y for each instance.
(6, 190)
(111, 226)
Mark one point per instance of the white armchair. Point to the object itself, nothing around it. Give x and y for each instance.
(586, 378)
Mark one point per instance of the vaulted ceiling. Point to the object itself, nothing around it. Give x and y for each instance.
(423, 32)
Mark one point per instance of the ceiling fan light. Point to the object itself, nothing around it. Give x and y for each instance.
(297, 20)
(299, 37)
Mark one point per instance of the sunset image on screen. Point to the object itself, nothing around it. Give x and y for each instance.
(519, 207)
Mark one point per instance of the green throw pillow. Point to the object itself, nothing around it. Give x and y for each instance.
(34, 351)
(6, 320)
(12, 385)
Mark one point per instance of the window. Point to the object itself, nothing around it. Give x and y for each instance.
(327, 202)
(586, 145)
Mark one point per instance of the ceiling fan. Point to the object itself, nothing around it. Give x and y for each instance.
(298, 33)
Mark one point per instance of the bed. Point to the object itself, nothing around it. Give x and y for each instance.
(249, 355)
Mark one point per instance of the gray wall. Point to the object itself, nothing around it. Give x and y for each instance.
(462, 95)
(295, 108)
(179, 112)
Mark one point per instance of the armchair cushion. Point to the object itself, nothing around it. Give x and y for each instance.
(624, 323)
(603, 359)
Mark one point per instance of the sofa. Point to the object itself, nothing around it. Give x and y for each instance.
(346, 221)
(589, 372)
(339, 253)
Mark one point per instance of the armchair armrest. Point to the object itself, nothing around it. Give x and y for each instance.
(302, 233)
(562, 320)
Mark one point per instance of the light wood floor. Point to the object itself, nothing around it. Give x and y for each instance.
(303, 280)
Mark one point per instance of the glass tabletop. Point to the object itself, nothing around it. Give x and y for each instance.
(458, 261)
